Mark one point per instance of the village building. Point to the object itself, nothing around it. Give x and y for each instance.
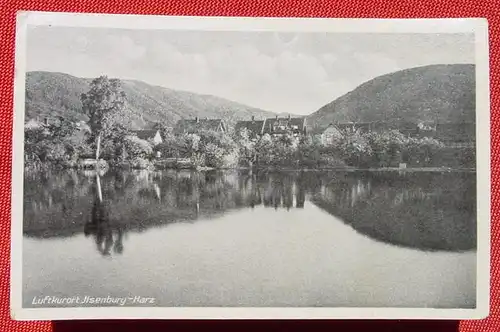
(192, 126)
(47, 122)
(452, 134)
(280, 126)
(331, 135)
(152, 135)
(32, 124)
(370, 126)
(255, 128)
(337, 130)
(44, 123)
(83, 126)
(462, 133)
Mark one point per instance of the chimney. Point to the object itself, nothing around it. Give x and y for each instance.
(197, 120)
(253, 118)
(46, 121)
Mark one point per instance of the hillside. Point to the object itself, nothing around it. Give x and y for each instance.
(51, 94)
(437, 92)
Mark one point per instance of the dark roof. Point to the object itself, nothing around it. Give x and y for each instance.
(299, 123)
(145, 134)
(363, 126)
(458, 132)
(361, 123)
(444, 131)
(255, 127)
(193, 125)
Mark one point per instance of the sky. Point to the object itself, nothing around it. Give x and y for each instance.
(280, 72)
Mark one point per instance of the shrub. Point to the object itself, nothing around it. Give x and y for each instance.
(137, 148)
(140, 163)
(214, 155)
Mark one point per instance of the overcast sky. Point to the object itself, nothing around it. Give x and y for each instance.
(280, 72)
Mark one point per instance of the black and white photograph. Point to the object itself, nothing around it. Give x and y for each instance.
(170, 167)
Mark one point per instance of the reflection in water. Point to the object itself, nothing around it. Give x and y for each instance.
(425, 211)
(431, 212)
(106, 236)
(226, 229)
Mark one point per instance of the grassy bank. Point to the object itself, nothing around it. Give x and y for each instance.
(172, 166)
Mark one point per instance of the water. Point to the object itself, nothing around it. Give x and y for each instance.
(263, 239)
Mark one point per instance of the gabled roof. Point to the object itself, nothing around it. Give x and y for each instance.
(332, 128)
(145, 134)
(299, 123)
(255, 127)
(192, 125)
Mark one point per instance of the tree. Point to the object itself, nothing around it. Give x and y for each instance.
(57, 142)
(356, 149)
(247, 151)
(264, 149)
(388, 147)
(164, 129)
(103, 103)
(137, 148)
(423, 150)
(63, 128)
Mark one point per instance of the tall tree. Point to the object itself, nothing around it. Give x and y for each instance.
(103, 103)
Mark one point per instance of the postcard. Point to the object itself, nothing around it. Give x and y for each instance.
(171, 167)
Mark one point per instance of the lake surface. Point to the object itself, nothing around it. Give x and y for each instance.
(235, 238)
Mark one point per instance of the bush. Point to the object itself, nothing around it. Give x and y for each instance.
(137, 148)
(198, 159)
(231, 160)
(214, 155)
(140, 163)
(424, 151)
(356, 150)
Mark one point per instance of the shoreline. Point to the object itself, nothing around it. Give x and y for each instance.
(271, 169)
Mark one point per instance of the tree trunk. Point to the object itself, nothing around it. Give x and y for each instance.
(99, 191)
(98, 148)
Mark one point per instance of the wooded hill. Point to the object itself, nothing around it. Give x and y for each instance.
(55, 94)
(442, 93)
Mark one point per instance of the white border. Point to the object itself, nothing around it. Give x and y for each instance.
(478, 26)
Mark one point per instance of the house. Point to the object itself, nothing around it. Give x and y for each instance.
(191, 126)
(254, 127)
(363, 127)
(83, 126)
(279, 126)
(330, 135)
(33, 124)
(149, 135)
(46, 122)
(51, 123)
(459, 132)
(412, 128)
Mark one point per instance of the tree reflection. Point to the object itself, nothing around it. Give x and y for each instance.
(107, 236)
(430, 211)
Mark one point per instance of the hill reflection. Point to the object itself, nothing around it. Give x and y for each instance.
(424, 211)
(431, 212)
